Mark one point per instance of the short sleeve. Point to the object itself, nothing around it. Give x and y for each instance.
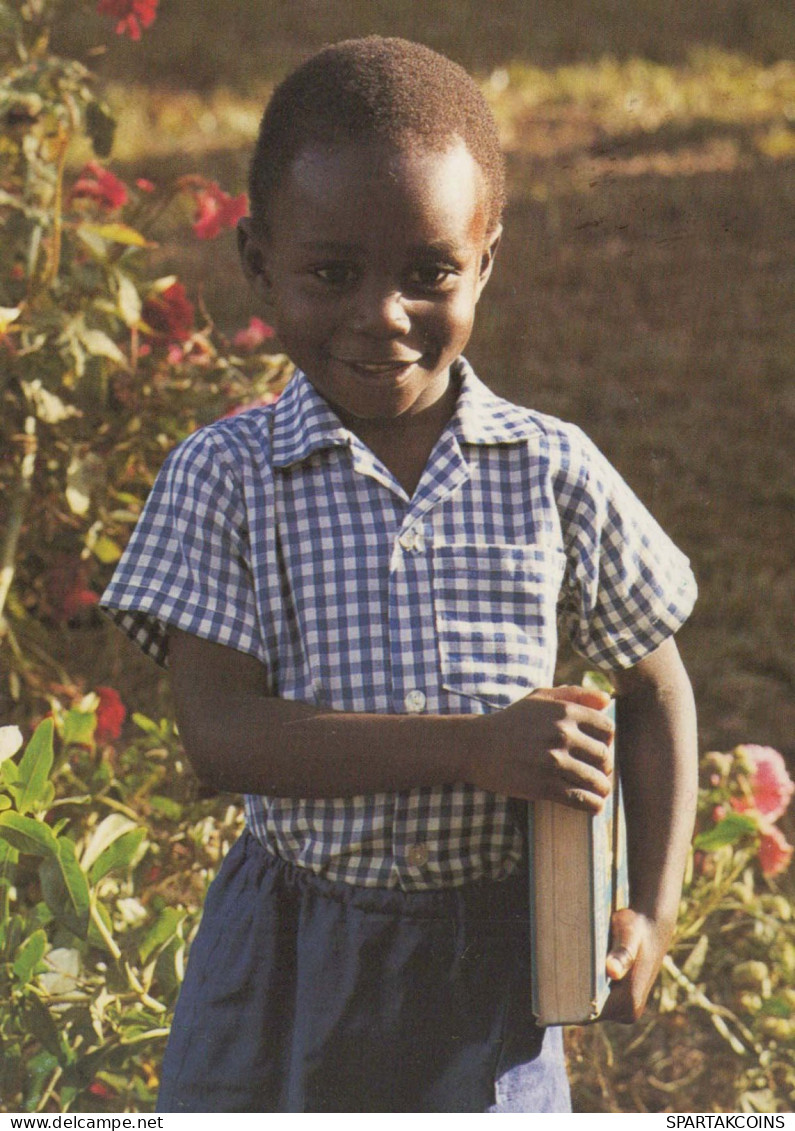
(187, 563)
(627, 586)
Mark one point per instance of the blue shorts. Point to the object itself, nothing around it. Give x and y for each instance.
(304, 995)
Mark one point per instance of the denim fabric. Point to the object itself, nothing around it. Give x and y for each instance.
(306, 995)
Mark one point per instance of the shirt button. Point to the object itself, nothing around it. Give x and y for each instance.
(415, 701)
(412, 539)
(417, 855)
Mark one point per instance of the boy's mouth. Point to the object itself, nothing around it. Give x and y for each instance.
(379, 368)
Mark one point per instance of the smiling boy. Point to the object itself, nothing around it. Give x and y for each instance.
(359, 592)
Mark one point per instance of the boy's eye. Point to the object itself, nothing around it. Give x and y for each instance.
(430, 276)
(335, 274)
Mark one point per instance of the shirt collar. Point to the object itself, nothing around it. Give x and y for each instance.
(305, 423)
(481, 417)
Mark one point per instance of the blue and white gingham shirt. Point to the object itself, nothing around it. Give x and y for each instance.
(279, 533)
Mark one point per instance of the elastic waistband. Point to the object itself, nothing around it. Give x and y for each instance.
(481, 898)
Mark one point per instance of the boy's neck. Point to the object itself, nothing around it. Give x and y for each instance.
(404, 443)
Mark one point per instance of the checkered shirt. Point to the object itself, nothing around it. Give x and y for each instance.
(277, 532)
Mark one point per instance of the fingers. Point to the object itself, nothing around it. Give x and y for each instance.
(554, 744)
(632, 965)
(570, 736)
(586, 709)
(585, 696)
(626, 936)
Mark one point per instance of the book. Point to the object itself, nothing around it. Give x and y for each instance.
(578, 878)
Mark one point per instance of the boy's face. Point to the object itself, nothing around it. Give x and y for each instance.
(374, 260)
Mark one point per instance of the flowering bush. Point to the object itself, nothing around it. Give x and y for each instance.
(105, 365)
(724, 1023)
(98, 900)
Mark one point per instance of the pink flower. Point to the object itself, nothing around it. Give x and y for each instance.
(215, 209)
(253, 336)
(133, 15)
(771, 785)
(170, 313)
(145, 185)
(111, 714)
(96, 183)
(775, 851)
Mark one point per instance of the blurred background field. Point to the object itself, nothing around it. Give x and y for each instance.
(645, 284)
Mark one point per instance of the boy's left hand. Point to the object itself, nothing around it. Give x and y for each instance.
(637, 947)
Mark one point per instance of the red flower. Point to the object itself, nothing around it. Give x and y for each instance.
(96, 183)
(66, 586)
(215, 209)
(111, 714)
(771, 785)
(170, 313)
(253, 336)
(775, 851)
(131, 14)
(101, 1090)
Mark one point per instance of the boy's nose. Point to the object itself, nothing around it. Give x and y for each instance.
(380, 313)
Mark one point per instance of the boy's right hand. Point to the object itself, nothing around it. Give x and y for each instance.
(555, 745)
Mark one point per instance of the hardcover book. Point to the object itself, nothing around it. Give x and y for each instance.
(578, 878)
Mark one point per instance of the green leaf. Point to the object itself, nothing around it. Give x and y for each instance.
(5, 801)
(9, 774)
(34, 769)
(729, 830)
(106, 832)
(106, 550)
(99, 344)
(40, 1024)
(25, 834)
(65, 887)
(94, 935)
(30, 955)
(147, 725)
(129, 300)
(776, 1007)
(597, 681)
(117, 856)
(166, 807)
(79, 727)
(100, 127)
(118, 233)
(163, 931)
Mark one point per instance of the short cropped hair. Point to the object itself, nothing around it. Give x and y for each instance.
(375, 89)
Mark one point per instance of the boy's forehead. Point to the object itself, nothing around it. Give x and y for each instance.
(407, 176)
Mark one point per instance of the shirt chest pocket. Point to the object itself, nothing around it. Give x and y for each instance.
(495, 611)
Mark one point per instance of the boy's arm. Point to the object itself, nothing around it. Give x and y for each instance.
(553, 744)
(656, 724)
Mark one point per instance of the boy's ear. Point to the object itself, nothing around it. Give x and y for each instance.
(487, 258)
(252, 255)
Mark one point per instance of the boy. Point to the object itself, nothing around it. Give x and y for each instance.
(358, 591)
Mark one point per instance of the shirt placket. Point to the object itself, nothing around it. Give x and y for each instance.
(414, 657)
